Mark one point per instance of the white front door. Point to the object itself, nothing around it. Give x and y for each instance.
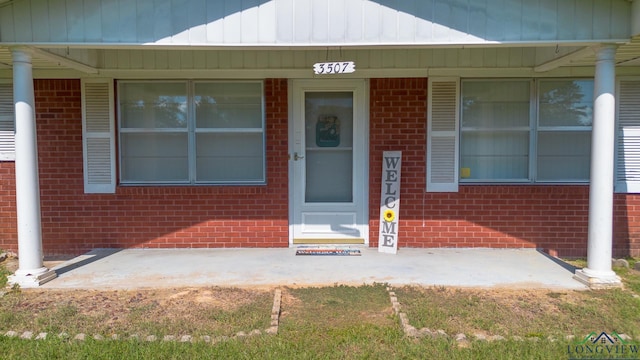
(329, 184)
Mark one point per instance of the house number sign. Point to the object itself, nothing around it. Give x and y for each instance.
(337, 67)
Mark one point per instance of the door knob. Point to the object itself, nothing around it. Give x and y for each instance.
(297, 157)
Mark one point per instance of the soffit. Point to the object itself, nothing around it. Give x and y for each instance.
(627, 55)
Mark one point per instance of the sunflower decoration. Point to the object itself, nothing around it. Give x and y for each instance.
(389, 215)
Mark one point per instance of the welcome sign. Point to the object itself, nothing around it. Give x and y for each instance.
(390, 202)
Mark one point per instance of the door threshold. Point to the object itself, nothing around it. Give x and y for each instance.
(342, 241)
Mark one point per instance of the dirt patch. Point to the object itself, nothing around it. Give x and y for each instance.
(178, 311)
(10, 264)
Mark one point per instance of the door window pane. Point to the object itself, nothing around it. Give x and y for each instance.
(329, 146)
(329, 176)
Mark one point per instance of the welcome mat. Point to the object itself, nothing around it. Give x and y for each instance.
(327, 251)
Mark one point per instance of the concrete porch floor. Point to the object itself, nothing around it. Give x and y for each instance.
(168, 268)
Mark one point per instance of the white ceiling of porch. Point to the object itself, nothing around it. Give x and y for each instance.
(93, 61)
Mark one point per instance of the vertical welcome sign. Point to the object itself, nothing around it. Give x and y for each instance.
(390, 202)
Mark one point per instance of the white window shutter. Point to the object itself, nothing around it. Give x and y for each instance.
(442, 134)
(98, 136)
(628, 141)
(7, 123)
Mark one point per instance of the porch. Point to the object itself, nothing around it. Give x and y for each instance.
(80, 157)
(166, 268)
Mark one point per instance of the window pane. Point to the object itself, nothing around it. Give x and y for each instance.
(228, 105)
(495, 155)
(154, 157)
(153, 105)
(495, 104)
(566, 103)
(229, 157)
(495, 130)
(564, 155)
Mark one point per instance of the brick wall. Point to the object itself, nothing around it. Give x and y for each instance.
(397, 122)
(8, 221)
(626, 225)
(553, 218)
(152, 217)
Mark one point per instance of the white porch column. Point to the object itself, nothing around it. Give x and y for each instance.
(598, 272)
(31, 271)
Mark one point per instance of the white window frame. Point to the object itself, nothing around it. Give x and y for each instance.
(192, 131)
(533, 130)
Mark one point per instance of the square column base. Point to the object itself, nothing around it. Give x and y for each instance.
(31, 281)
(598, 282)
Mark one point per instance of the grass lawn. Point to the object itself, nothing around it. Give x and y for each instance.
(335, 322)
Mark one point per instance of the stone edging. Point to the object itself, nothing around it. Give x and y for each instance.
(462, 339)
(272, 330)
(410, 331)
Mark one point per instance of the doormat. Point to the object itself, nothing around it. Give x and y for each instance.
(327, 251)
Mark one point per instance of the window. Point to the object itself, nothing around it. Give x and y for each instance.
(188, 132)
(508, 135)
(495, 130)
(565, 116)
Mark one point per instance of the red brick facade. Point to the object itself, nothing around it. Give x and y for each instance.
(8, 220)
(151, 217)
(553, 218)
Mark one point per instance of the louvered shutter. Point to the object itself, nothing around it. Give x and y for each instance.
(442, 135)
(7, 123)
(98, 136)
(628, 141)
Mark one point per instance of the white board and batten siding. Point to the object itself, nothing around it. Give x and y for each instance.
(312, 22)
(98, 136)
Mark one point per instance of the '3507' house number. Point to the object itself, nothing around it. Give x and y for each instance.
(336, 67)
